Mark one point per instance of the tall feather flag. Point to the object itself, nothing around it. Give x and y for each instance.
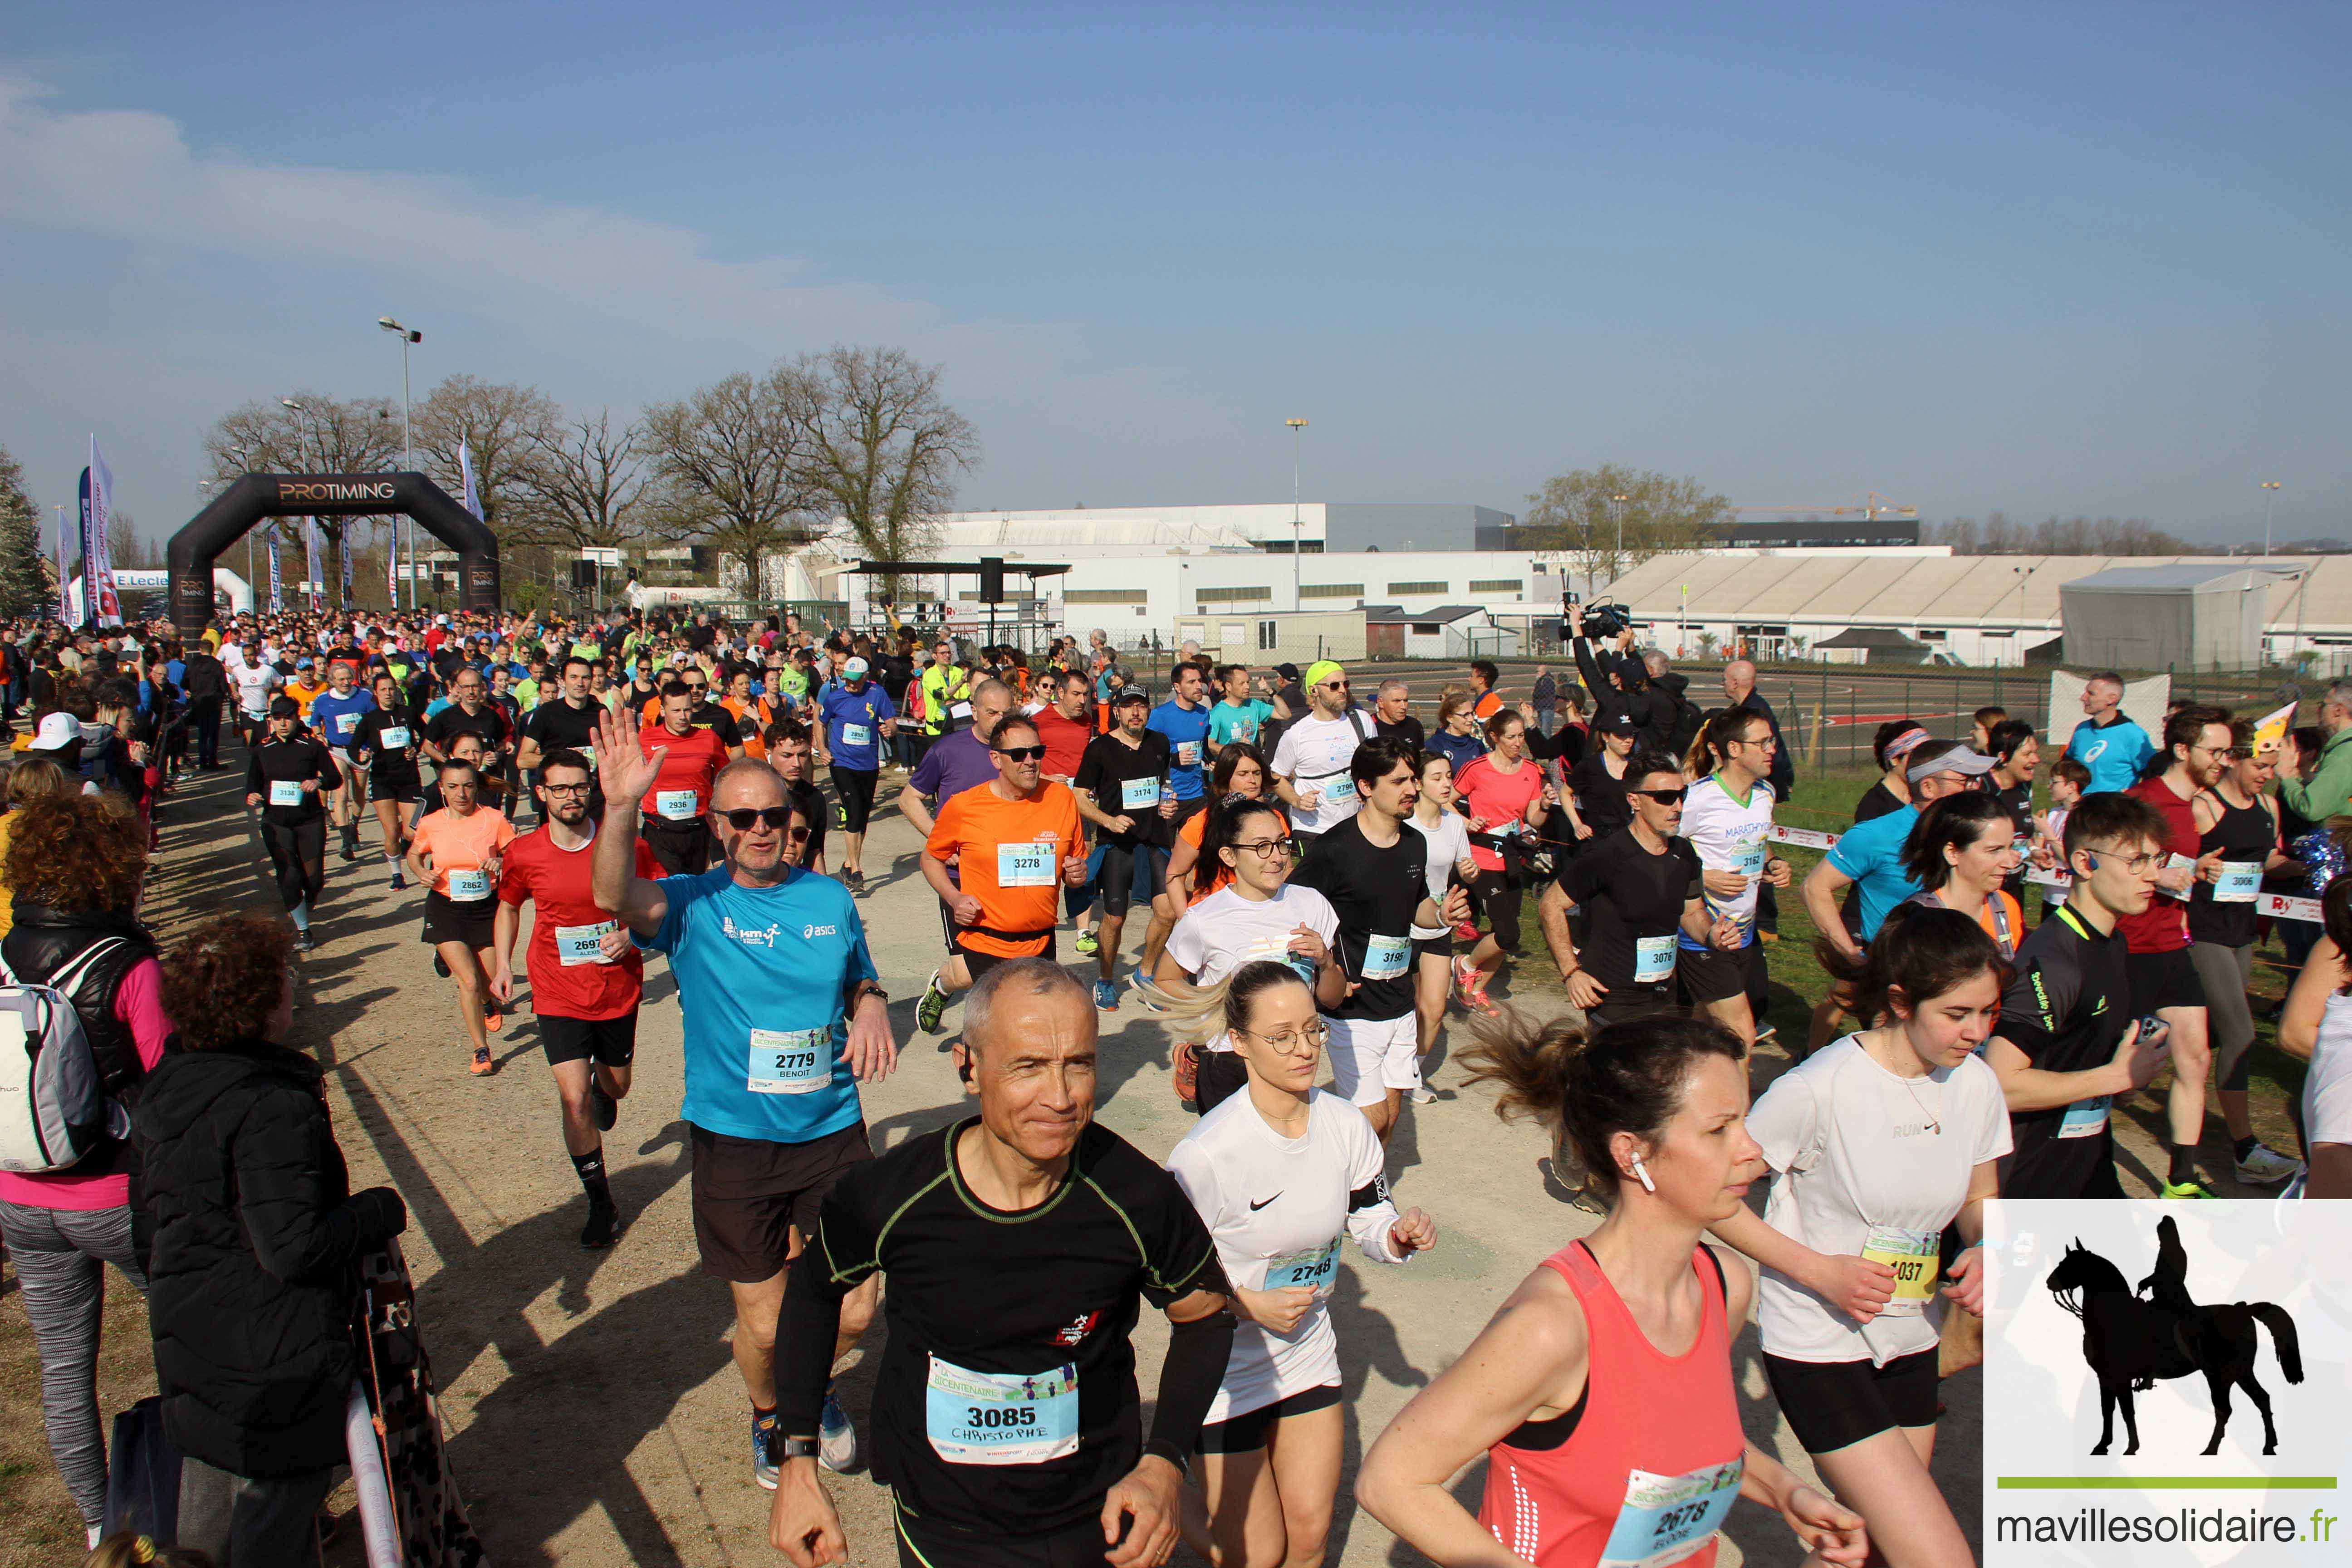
(277, 578)
(98, 567)
(314, 574)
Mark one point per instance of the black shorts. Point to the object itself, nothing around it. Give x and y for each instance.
(680, 849)
(1626, 1003)
(1129, 875)
(607, 1042)
(977, 964)
(407, 791)
(856, 788)
(2160, 980)
(470, 923)
(1432, 947)
(1217, 1076)
(1712, 974)
(923, 1544)
(751, 1194)
(1497, 896)
(1832, 1404)
(1246, 1433)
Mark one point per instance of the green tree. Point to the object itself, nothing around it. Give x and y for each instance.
(1608, 519)
(25, 586)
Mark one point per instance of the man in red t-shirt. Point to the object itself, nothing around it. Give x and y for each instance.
(1062, 724)
(586, 975)
(677, 826)
(2163, 980)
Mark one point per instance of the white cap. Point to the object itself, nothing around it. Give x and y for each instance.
(855, 667)
(57, 732)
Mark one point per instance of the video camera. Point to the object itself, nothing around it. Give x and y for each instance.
(1603, 620)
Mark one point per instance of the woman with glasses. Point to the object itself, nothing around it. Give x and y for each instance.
(1257, 915)
(1194, 869)
(1270, 1450)
(2237, 819)
(1448, 832)
(1639, 888)
(1960, 852)
(455, 854)
(1503, 794)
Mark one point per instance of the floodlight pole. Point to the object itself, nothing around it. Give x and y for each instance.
(1296, 539)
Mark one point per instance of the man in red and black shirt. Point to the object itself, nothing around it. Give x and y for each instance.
(586, 975)
(2163, 980)
(675, 823)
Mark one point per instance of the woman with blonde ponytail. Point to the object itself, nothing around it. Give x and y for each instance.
(1601, 1392)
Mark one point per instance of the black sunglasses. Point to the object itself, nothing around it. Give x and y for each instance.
(743, 816)
(1663, 797)
(1021, 753)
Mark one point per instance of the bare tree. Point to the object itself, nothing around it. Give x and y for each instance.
(1612, 518)
(729, 467)
(309, 432)
(883, 448)
(500, 425)
(587, 483)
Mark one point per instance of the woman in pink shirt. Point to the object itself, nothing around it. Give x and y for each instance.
(72, 867)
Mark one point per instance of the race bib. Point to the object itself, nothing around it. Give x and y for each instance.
(1915, 1255)
(285, 792)
(2177, 863)
(1385, 957)
(346, 723)
(1664, 1519)
(1188, 754)
(393, 738)
(1340, 793)
(1024, 865)
(1747, 860)
(856, 735)
(790, 1061)
(2239, 882)
(1312, 1267)
(1000, 1418)
(1653, 959)
(678, 805)
(468, 887)
(1277, 949)
(2084, 1117)
(576, 945)
(1135, 795)
(960, 710)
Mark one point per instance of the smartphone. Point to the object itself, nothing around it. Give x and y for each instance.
(2152, 1027)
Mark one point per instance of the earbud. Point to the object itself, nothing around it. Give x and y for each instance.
(1641, 1174)
(2092, 858)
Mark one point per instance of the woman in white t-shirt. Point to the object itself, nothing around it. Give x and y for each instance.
(1448, 832)
(1879, 1144)
(1257, 915)
(1278, 1173)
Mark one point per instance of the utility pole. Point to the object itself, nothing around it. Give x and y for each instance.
(408, 444)
(2270, 505)
(1296, 426)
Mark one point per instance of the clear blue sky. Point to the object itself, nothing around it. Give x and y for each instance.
(2033, 258)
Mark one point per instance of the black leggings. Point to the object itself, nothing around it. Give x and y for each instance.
(1498, 896)
(298, 853)
(856, 787)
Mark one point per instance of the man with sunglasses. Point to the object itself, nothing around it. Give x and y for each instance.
(1641, 889)
(947, 692)
(1015, 844)
(1870, 854)
(1122, 789)
(2069, 1040)
(782, 1021)
(1311, 760)
(586, 976)
(687, 762)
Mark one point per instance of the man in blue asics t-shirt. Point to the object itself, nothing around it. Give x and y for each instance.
(335, 715)
(784, 1020)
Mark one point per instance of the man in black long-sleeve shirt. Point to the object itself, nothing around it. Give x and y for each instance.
(1615, 676)
(206, 681)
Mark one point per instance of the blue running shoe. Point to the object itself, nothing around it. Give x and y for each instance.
(764, 1448)
(1105, 996)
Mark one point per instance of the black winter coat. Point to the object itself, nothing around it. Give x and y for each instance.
(255, 1237)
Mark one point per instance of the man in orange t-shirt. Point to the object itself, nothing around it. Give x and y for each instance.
(1016, 842)
(676, 825)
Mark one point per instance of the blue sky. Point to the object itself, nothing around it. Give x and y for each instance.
(2031, 258)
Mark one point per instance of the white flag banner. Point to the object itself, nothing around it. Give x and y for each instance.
(392, 565)
(98, 569)
(315, 573)
(466, 471)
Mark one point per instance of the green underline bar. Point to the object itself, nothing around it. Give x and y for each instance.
(2167, 1483)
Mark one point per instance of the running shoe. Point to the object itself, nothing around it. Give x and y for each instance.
(764, 1448)
(302, 943)
(934, 1005)
(1422, 1096)
(440, 966)
(2263, 1166)
(351, 852)
(1086, 945)
(853, 880)
(1768, 1034)
(2192, 1188)
(1466, 931)
(483, 1066)
(399, 883)
(604, 1224)
(603, 1106)
(837, 1439)
(494, 1019)
(1105, 996)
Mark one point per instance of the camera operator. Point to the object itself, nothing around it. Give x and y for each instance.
(1612, 671)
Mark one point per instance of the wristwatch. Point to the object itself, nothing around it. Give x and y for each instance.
(867, 988)
(796, 1448)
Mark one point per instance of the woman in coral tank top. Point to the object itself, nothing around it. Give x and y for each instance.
(1601, 1392)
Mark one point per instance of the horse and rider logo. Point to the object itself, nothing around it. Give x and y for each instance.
(2131, 1339)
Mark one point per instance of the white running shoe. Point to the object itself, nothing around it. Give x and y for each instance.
(837, 1438)
(2265, 1165)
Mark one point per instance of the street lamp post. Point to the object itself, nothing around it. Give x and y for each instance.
(1296, 537)
(2270, 505)
(407, 447)
(1617, 566)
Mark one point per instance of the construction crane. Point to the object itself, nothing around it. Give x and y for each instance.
(1873, 506)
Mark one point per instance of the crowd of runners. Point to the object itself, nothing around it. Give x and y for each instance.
(1318, 879)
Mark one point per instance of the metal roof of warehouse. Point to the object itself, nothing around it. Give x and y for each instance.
(1745, 585)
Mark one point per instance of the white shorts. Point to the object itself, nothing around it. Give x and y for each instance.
(1371, 1056)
